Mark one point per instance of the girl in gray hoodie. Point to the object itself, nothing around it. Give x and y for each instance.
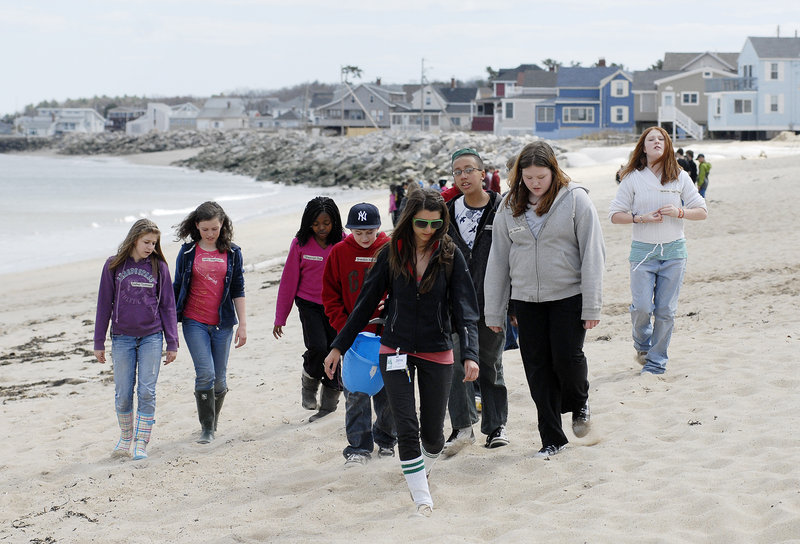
(547, 257)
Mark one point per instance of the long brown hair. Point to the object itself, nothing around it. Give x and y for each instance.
(206, 212)
(139, 229)
(402, 246)
(670, 169)
(534, 154)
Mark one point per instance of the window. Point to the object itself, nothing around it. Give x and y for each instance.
(717, 107)
(428, 99)
(397, 120)
(546, 114)
(619, 114)
(774, 103)
(690, 98)
(773, 70)
(619, 88)
(509, 110)
(707, 74)
(577, 115)
(455, 121)
(742, 106)
(435, 120)
(647, 103)
(379, 117)
(747, 70)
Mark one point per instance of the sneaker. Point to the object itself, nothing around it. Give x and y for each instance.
(355, 460)
(548, 451)
(385, 452)
(497, 438)
(459, 438)
(423, 511)
(581, 421)
(641, 357)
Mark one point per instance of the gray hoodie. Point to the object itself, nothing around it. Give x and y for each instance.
(567, 258)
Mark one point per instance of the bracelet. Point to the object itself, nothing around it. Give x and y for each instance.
(633, 218)
(680, 213)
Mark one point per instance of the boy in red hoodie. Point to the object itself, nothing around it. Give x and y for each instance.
(345, 270)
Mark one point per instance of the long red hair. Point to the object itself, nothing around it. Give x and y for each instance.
(670, 169)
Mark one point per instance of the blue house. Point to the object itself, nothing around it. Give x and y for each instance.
(765, 97)
(588, 100)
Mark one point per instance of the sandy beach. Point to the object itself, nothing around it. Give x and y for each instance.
(705, 453)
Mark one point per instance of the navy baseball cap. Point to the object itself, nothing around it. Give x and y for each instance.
(363, 216)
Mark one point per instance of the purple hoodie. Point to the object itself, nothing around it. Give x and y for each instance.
(134, 304)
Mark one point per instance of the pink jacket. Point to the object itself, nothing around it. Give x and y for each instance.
(302, 277)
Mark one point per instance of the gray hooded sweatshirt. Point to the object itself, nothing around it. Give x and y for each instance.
(567, 258)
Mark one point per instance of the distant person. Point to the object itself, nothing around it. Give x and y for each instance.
(471, 219)
(301, 284)
(619, 171)
(692, 167)
(393, 202)
(409, 187)
(136, 296)
(430, 295)
(487, 180)
(495, 185)
(702, 174)
(655, 196)
(681, 158)
(548, 256)
(209, 295)
(433, 185)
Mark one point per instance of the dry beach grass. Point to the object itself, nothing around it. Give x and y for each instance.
(707, 453)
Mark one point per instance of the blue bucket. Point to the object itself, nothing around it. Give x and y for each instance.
(360, 370)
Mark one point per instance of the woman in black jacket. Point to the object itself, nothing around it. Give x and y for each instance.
(429, 288)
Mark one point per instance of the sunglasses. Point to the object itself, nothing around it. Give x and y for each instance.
(435, 224)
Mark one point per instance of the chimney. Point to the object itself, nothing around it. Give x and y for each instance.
(602, 62)
(452, 83)
(378, 82)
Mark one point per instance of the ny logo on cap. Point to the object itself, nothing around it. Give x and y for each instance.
(362, 216)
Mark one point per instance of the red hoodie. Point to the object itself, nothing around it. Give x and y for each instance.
(344, 275)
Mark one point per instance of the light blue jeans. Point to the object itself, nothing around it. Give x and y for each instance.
(655, 286)
(209, 347)
(131, 356)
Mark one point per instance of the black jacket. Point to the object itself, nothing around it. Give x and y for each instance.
(417, 322)
(478, 256)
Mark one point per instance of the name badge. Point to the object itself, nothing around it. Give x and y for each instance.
(146, 285)
(397, 362)
(365, 259)
(516, 230)
(313, 258)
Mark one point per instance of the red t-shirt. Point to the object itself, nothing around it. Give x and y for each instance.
(208, 283)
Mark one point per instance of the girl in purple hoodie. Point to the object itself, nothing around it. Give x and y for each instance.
(136, 297)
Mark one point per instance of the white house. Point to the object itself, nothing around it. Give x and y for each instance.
(223, 113)
(58, 121)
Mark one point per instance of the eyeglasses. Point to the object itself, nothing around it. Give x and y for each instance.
(435, 224)
(466, 171)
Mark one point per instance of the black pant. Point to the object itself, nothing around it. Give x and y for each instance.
(433, 380)
(551, 338)
(317, 337)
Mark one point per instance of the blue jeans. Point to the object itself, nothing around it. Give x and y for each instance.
(362, 434)
(655, 286)
(494, 395)
(131, 356)
(209, 347)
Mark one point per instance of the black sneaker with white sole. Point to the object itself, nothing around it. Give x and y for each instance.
(497, 438)
(548, 451)
(581, 421)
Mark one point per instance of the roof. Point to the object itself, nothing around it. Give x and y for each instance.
(461, 95)
(774, 48)
(578, 76)
(223, 107)
(679, 61)
(510, 74)
(458, 108)
(539, 78)
(319, 98)
(290, 115)
(645, 80)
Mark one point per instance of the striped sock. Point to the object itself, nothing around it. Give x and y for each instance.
(430, 459)
(414, 471)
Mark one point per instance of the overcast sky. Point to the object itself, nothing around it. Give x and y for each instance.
(58, 49)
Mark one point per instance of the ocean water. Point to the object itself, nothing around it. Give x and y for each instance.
(58, 210)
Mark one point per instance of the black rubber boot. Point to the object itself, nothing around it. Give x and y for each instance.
(329, 400)
(219, 398)
(205, 412)
(309, 389)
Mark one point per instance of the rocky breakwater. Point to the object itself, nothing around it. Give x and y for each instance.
(377, 159)
(22, 143)
(119, 143)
